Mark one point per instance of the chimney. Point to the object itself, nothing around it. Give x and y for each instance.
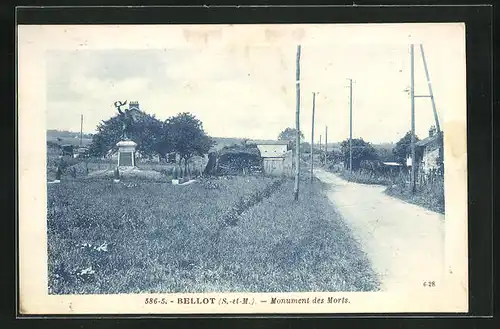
(134, 105)
(432, 131)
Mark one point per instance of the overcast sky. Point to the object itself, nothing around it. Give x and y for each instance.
(245, 87)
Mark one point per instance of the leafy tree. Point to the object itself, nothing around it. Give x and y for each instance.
(385, 153)
(147, 132)
(290, 135)
(361, 150)
(331, 156)
(403, 148)
(186, 137)
(305, 147)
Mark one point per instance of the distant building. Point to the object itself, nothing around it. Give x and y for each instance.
(392, 164)
(430, 150)
(67, 149)
(80, 152)
(276, 157)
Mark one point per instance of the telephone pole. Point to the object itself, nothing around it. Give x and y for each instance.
(436, 118)
(326, 143)
(297, 123)
(312, 136)
(81, 130)
(431, 95)
(412, 96)
(350, 125)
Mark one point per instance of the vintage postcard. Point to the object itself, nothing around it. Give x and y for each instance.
(242, 169)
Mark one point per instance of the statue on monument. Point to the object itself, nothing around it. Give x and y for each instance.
(126, 119)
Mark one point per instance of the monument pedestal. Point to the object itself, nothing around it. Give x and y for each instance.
(126, 154)
(126, 167)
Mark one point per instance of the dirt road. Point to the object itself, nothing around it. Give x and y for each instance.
(404, 242)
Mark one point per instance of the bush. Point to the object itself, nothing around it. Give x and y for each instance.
(429, 195)
(363, 176)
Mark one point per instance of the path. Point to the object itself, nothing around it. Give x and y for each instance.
(404, 242)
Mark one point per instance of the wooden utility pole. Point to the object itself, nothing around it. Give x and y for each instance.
(297, 124)
(312, 136)
(412, 96)
(81, 130)
(431, 96)
(326, 143)
(350, 125)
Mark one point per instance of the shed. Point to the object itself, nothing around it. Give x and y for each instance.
(276, 157)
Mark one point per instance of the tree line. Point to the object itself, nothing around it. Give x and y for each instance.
(361, 149)
(182, 134)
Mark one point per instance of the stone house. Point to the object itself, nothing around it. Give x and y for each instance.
(430, 152)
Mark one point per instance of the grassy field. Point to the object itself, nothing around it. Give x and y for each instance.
(218, 235)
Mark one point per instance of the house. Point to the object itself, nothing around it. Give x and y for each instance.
(81, 152)
(134, 110)
(430, 152)
(276, 157)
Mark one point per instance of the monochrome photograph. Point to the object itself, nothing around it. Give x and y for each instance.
(242, 168)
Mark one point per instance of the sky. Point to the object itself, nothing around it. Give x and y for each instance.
(241, 82)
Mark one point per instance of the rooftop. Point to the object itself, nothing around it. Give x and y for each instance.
(269, 142)
(427, 140)
(391, 163)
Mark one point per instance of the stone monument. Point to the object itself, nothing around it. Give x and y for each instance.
(126, 147)
(126, 153)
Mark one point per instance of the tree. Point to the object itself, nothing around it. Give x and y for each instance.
(186, 137)
(402, 149)
(385, 153)
(331, 156)
(305, 147)
(147, 132)
(290, 135)
(361, 150)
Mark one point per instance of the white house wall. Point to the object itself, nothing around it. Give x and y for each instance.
(272, 151)
(430, 160)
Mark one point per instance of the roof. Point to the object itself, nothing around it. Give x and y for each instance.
(426, 141)
(278, 142)
(391, 163)
(239, 150)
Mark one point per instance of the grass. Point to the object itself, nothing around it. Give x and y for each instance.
(222, 234)
(366, 177)
(295, 246)
(429, 196)
(79, 166)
